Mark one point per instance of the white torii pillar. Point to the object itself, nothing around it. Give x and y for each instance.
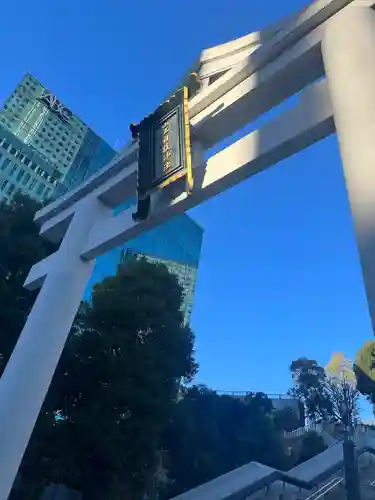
(348, 49)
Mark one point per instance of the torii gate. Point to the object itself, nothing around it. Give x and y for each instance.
(240, 80)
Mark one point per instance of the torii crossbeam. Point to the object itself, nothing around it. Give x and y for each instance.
(327, 50)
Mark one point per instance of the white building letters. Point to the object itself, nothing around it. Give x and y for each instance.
(56, 106)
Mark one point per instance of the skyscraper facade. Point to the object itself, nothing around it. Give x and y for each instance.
(58, 147)
(177, 244)
(23, 169)
(186, 275)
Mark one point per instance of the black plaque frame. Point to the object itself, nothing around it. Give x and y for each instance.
(148, 181)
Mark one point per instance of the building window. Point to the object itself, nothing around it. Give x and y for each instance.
(40, 188)
(13, 170)
(21, 173)
(32, 184)
(5, 164)
(26, 179)
(11, 188)
(3, 184)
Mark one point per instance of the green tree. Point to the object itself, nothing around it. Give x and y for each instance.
(286, 419)
(364, 371)
(325, 397)
(21, 247)
(333, 397)
(312, 444)
(115, 387)
(309, 387)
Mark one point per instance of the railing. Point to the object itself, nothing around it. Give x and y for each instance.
(321, 492)
(246, 393)
(367, 429)
(304, 430)
(360, 430)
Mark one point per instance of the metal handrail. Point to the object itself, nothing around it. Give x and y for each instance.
(303, 430)
(325, 488)
(363, 428)
(245, 393)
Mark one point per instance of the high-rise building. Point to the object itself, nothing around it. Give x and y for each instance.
(176, 244)
(186, 275)
(51, 145)
(23, 169)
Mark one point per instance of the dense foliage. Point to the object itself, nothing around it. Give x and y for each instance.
(312, 444)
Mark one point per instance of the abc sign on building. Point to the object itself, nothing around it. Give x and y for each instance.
(55, 106)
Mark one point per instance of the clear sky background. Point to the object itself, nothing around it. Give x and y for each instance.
(279, 275)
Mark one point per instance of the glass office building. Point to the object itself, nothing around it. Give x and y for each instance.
(61, 147)
(46, 150)
(176, 244)
(186, 275)
(23, 169)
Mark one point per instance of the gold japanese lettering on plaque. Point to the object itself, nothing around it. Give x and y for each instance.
(167, 150)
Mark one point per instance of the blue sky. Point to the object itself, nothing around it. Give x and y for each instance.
(279, 275)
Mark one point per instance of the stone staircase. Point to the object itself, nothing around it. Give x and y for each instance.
(331, 489)
(319, 477)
